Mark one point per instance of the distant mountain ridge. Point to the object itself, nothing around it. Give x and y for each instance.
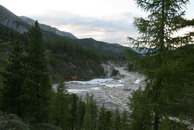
(103, 47)
(23, 23)
(12, 21)
(48, 28)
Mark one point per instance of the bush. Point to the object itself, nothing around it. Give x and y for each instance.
(44, 126)
(11, 122)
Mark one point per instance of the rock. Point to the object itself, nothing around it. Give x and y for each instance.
(110, 71)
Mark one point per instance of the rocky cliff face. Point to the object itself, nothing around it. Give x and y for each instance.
(110, 71)
(12, 21)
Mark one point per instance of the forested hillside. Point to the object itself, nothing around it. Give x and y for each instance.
(25, 89)
(65, 57)
(30, 62)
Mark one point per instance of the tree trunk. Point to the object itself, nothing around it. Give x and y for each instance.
(156, 121)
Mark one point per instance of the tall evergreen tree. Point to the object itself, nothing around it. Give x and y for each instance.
(109, 120)
(102, 119)
(116, 120)
(165, 75)
(59, 106)
(140, 118)
(73, 110)
(80, 114)
(13, 90)
(124, 120)
(90, 118)
(37, 80)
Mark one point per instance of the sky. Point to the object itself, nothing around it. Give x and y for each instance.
(104, 20)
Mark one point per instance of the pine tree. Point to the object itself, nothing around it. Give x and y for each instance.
(109, 120)
(117, 120)
(124, 120)
(141, 117)
(165, 75)
(80, 114)
(90, 117)
(59, 106)
(37, 80)
(102, 119)
(73, 110)
(14, 75)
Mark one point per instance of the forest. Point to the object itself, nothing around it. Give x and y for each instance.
(26, 90)
(29, 102)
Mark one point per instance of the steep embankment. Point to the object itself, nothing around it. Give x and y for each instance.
(72, 67)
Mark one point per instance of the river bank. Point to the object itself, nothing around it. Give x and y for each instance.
(112, 93)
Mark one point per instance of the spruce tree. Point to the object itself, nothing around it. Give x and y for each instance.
(124, 120)
(59, 106)
(37, 81)
(90, 116)
(116, 120)
(140, 118)
(73, 111)
(80, 114)
(165, 75)
(109, 120)
(14, 75)
(102, 119)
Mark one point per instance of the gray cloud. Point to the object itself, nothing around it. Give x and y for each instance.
(112, 29)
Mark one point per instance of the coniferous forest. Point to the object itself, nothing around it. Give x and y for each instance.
(29, 102)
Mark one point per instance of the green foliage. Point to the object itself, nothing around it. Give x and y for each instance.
(71, 49)
(141, 111)
(168, 124)
(102, 123)
(117, 120)
(37, 83)
(166, 70)
(7, 34)
(43, 126)
(11, 122)
(60, 102)
(84, 115)
(125, 120)
(4, 48)
(90, 113)
(13, 89)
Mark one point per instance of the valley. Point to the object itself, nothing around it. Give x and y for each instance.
(113, 93)
(52, 79)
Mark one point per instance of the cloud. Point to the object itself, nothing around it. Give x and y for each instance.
(114, 29)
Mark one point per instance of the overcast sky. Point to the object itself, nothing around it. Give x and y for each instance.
(104, 20)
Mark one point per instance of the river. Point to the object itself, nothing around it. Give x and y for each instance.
(113, 93)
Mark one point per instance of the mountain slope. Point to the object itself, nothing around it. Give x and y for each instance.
(21, 24)
(12, 21)
(103, 47)
(49, 28)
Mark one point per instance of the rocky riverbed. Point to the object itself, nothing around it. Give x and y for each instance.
(113, 93)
